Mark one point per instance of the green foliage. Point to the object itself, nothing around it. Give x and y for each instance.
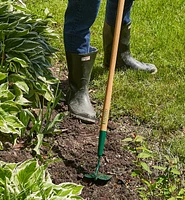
(25, 59)
(162, 175)
(30, 181)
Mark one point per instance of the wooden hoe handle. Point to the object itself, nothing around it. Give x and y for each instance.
(107, 101)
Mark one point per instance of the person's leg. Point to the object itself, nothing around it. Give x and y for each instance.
(124, 59)
(111, 11)
(79, 17)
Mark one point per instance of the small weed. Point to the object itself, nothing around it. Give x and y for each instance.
(162, 176)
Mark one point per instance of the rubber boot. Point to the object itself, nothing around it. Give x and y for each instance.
(124, 58)
(80, 68)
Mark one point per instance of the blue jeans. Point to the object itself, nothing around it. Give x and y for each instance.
(79, 17)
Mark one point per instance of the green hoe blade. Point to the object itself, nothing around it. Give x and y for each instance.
(101, 177)
(97, 176)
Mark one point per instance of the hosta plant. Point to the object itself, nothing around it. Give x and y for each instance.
(31, 181)
(25, 61)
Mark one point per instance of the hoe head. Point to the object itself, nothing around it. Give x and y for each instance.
(101, 177)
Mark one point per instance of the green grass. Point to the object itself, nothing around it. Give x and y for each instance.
(157, 37)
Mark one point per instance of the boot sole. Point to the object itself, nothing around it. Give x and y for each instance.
(83, 119)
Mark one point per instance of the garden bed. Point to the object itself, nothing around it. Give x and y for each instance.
(75, 152)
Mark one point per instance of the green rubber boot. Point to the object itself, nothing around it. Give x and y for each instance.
(124, 59)
(80, 68)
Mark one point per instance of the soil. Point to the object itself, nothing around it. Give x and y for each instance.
(75, 149)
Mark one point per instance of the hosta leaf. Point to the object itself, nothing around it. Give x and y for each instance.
(19, 96)
(13, 43)
(19, 17)
(47, 47)
(23, 63)
(13, 25)
(48, 81)
(6, 95)
(25, 171)
(16, 33)
(48, 95)
(3, 126)
(3, 8)
(70, 188)
(4, 26)
(28, 180)
(39, 29)
(3, 86)
(32, 35)
(13, 54)
(0, 47)
(26, 46)
(22, 101)
(2, 176)
(13, 121)
(25, 116)
(22, 85)
(16, 77)
(9, 107)
(3, 75)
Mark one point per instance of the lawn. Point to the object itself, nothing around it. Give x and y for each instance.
(157, 37)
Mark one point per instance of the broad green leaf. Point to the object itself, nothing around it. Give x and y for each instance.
(25, 171)
(32, 35)
(13, 43)
(22, 85)
(19, 96)
(4, 26)
(16, 33)
(16, 77)
(14, 54)
(0, 47)
(10, 107)
(3, 75)
(26, 46)
(48, 95)
(48, 81)
(3, 87)
(6, 95)
(29, 180)
(3, 126)
(1, 146)
(13, 121)
(25, 116)
(3, 8)
(22, 62)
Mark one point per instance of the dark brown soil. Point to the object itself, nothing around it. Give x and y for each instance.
(76, 152)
